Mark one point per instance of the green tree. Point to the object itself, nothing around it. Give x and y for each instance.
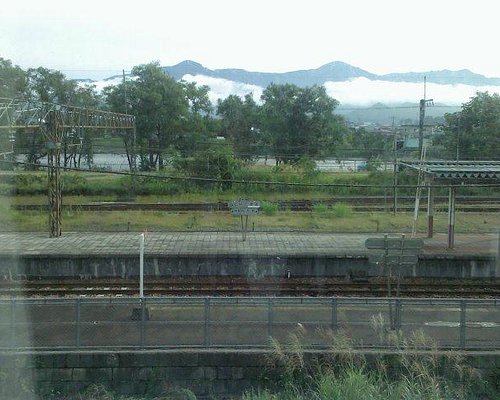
(171, 116)
(49, 86)
(12, 79)
(45, 85)
(198, 127)
(300, 122)
(214, 162)
(161, 108)
(240, 124)
(473, 132)
(359, 142)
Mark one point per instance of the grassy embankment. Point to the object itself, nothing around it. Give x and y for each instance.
(81, 188)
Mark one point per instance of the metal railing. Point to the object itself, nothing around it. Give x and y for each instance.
(114, 323)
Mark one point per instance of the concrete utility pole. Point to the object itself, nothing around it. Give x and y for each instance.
(423, 104)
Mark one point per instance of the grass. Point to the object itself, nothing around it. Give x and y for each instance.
(345, 374)
(338, 219)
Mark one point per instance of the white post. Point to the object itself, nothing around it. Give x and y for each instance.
(141, 266)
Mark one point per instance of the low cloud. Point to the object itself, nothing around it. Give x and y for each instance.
(357, 92)
(365, 92)
(222, 88)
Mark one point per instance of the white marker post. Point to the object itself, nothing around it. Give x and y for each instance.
(141, 266)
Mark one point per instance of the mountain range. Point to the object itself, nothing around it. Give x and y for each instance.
(336, 71)
(363, 96)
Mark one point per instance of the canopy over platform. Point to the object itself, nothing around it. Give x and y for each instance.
(464, 173)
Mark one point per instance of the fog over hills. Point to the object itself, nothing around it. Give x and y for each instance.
(336, 71)
(352, 86)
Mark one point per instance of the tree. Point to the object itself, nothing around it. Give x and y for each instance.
(213, 161)
(45, 85)
(12, 79)
(240, 124)
(362, 143)
(473, 132)
(300, 122)
(160, 106)
(198, 127)
(170, 116)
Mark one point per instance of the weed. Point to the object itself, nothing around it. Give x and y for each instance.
(320, 209)
(268, 208)
(342, 210)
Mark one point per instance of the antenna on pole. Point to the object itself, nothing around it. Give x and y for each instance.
(425, 86)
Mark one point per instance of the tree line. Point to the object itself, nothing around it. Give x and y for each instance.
(177, 124)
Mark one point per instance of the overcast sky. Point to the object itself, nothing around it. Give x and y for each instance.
(381, 36)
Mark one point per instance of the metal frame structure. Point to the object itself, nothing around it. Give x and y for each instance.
(451, 173)
(52, 121)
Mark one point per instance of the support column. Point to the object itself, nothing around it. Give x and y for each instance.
(54, 182)
(53, 131)
(430, 211)
(451, 218)
(497, 268)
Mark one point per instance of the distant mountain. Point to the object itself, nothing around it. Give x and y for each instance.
(336, 71)
(444, 77)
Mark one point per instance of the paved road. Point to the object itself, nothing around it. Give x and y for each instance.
(223, 243)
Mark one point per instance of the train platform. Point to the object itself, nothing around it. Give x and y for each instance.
(264, 244)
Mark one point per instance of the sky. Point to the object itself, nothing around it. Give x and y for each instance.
(99, 38)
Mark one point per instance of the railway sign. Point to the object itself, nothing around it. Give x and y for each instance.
(394, 244)
(244, 207)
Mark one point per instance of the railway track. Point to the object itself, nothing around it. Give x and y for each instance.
(358, 203)
(240, 287)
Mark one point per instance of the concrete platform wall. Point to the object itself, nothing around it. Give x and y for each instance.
(210, 374)
(43, 267)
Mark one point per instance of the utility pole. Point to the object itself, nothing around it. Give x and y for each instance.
(423, 103)
(133, 155)
(395, 171)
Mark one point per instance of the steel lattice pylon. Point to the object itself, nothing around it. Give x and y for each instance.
(52, 120)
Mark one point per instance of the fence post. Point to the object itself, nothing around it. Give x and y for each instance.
(77, 323)
(269, 317)
(143, 319)
(207, 322)
(334, 314)
(463, 305)
(13, 323)
(397, 322)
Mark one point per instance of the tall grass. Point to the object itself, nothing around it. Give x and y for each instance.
(344, 374)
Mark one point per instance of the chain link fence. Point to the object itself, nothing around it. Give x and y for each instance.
(103, 323)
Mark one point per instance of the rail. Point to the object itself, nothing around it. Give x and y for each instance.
(242, 322)
(236, 286)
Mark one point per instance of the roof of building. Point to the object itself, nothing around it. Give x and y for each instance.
(463, 171)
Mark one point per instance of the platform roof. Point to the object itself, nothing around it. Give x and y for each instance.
(462, 171)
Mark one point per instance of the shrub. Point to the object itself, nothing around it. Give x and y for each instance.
(268, 208)
(320, 209)
(342, 210)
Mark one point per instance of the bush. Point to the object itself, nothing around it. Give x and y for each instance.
(342, 210)
(321, 209)
(268, 208)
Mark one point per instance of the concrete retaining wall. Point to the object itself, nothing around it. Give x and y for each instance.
(38, 267)
(208, 374)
